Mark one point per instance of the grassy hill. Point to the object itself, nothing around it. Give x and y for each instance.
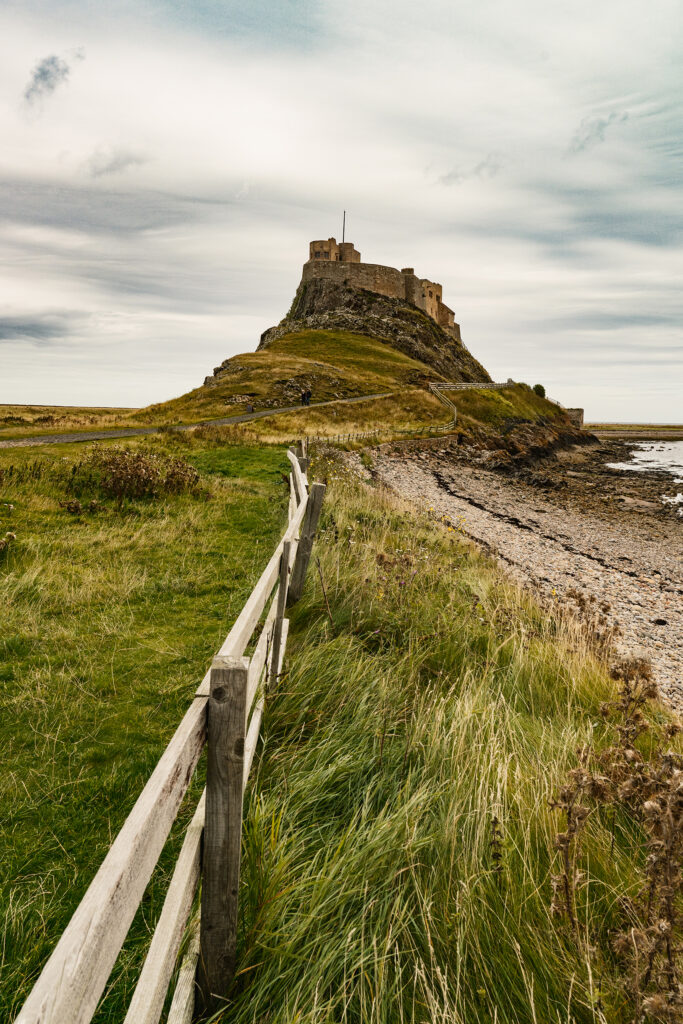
(333, 364)
(338, 364)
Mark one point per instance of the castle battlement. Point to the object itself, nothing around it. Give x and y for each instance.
(340, 262)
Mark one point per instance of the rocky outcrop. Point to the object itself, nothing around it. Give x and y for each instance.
(325, 305)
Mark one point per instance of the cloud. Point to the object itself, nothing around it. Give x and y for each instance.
(47, 75)
(486, 168)
(113, 161)
(592, 131)
(97, 211)
(43, 328)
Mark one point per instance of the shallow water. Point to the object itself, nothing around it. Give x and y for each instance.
(661, 457)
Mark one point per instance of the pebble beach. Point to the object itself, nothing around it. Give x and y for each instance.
(570, 525)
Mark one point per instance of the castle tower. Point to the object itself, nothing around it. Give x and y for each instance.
(328, 249)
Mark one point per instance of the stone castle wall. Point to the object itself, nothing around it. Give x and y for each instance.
(373, 277)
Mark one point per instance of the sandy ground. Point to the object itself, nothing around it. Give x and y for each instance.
(566, 525)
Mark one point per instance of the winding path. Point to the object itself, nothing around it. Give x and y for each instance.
(106, 435)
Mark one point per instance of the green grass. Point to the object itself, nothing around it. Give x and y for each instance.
(107, 624)
(352, 351)
(438, 698)
(499, 407)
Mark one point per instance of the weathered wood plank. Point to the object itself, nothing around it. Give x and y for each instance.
(150, 991)
(74, 977)
(299, 481)
(252, 739)
(283, 645)
(261, 651)
(255, 724)
(182, 1006)
(302, 456)
(223, 830)
(285, 569)
(303, 554)
(292, 499)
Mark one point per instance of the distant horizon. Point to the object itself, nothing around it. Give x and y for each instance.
(134, 408)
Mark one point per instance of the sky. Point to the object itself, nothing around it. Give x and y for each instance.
(165, 163)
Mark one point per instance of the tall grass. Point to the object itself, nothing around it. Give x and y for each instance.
(438, 701)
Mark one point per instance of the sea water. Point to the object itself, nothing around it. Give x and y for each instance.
(660, 456)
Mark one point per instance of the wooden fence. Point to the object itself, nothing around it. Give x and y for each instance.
(225, 715)
(426, 430)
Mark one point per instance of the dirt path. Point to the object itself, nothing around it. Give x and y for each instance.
(106, 435)
(631, 565)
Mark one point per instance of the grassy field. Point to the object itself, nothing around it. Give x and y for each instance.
(411, 407)
(635, 426)
(406, 408)
(107, 623)
(399, 839)
(496, 408)
(27, 420)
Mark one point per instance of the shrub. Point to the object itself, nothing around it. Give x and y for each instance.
(126, 473)
(539, 390)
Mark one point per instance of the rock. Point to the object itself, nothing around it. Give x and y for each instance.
(637, 502)
(324, 305)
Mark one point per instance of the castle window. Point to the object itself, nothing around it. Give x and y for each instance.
(430, 295)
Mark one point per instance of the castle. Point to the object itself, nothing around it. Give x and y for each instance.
(341, 264)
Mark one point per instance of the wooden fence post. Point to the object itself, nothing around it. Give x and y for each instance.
(303, 554)
(222, 831)
(302, 456)
(280, 612)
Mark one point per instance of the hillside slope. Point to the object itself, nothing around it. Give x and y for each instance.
(332, 363)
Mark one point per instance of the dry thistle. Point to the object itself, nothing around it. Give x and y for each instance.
(651, 791)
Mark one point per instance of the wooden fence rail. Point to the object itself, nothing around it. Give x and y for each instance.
(225, 715)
